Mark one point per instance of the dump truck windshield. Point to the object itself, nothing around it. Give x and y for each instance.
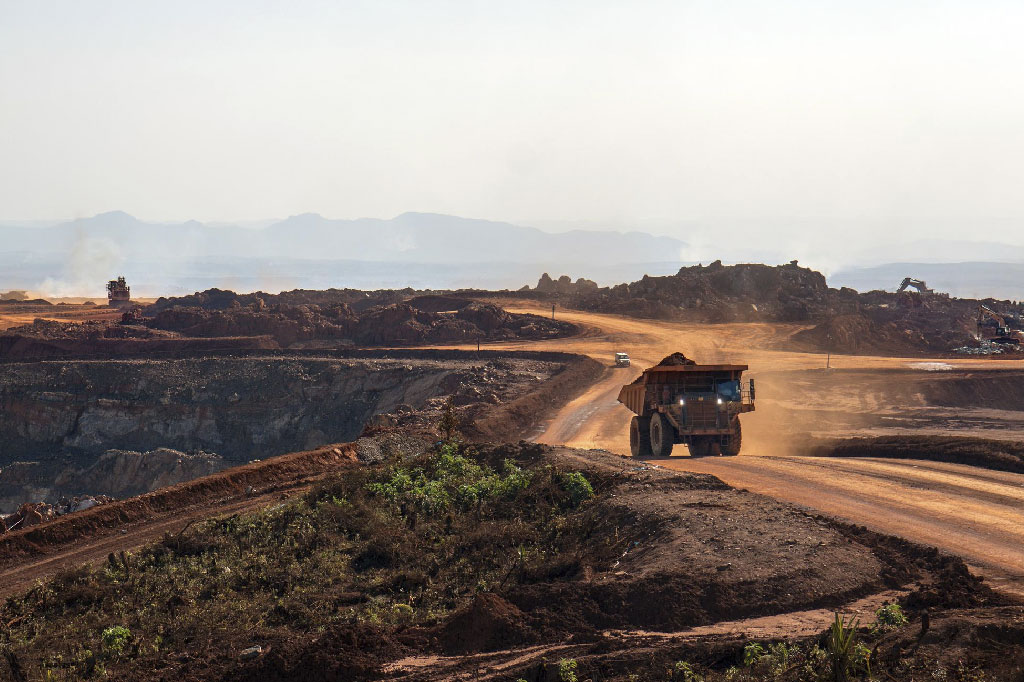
(729, 390)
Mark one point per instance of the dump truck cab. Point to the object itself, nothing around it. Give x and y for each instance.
(686, 403)
(621, 360)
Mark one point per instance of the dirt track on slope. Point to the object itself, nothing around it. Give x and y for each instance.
(975, 513)
(76, 539)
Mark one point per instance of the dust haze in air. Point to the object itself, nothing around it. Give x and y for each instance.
(794, 128)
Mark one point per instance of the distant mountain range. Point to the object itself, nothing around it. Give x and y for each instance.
(413, 249)
(410, 237)
(427, 250)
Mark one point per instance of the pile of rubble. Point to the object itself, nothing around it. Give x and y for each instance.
(309, 324)
(32, 513)
(713, 293)
(985, 347)
(393, 324)
(225, 299)
(89, 330)
(845, 321)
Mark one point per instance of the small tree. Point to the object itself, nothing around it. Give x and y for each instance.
(449, 422)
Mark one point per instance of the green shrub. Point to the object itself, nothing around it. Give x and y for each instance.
(115, 638)
(781, 654)
(684, 671)
(578, 487)
(890, 617)
(816, 661)
(451, 480)
(567, 670)
(752, 653)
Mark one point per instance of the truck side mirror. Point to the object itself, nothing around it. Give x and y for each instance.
(751, 389)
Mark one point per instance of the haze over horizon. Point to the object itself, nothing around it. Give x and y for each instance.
(435, 251)
(798, 124)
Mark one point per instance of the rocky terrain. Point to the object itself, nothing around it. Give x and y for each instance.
(115, 473)
(66, 424)
(222, 320)
(355, 317)
(712, 293)
(224, 299)
(839, 320)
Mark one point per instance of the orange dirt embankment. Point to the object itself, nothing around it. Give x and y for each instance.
(204, 494)
(517, 418)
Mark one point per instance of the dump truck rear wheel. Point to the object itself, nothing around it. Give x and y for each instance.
(662, 436)
(735, 442)
(640, 437)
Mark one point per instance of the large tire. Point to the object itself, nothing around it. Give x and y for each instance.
(735, 442)
(640, 437)
(663, 436)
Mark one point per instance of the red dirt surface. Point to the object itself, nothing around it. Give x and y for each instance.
(71, 540)
(488, 623)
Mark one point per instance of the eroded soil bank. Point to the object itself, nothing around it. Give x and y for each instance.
(62, 421)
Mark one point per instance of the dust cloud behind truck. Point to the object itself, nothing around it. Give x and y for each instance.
(679, 401)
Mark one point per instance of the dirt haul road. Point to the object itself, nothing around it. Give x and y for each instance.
(975, 513)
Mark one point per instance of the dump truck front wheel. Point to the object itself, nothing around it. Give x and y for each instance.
(640, 437)
(662, 436)
(732, 444)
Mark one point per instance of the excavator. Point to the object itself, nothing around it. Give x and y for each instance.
(993, 327)
(918, 284)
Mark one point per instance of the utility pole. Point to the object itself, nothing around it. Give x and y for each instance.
(552, 311)
(828, 337)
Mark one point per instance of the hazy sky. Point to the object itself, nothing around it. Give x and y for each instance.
(838, 112)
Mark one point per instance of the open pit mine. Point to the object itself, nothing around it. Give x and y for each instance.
(436, 485)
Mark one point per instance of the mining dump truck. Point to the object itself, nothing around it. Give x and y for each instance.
(118, 293)
(679, 401)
